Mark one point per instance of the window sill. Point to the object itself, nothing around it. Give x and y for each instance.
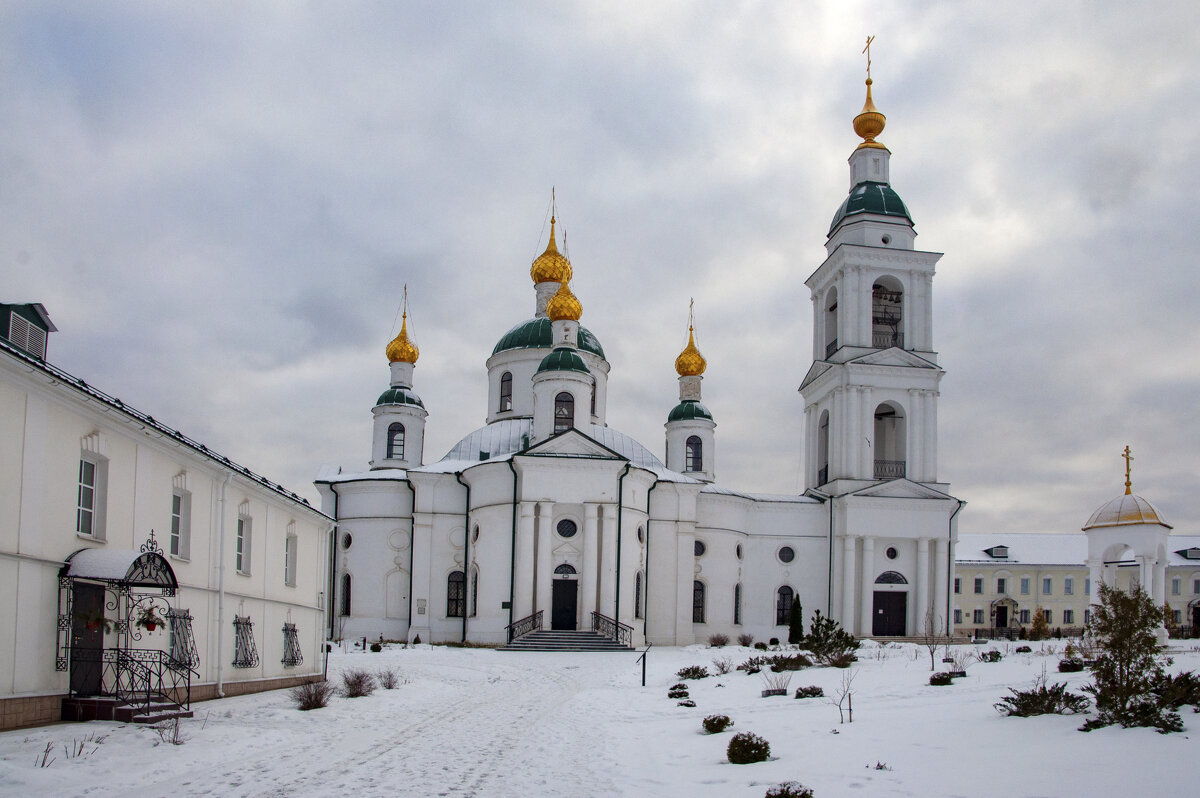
(242, 573)
(179, 557)
(92, 538)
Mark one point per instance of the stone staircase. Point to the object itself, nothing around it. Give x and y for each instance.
(563, 640)
(105, 708)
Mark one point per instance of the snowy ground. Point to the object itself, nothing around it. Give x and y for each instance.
(477, 722)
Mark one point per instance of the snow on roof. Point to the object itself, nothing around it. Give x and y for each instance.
(760, 497)
(102, 563)
(385, 474)
(1068, 548)
(491, 441)
(1178, 543)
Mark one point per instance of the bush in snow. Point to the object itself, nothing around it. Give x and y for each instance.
(1070, 665)
(688, 703)
(1043, 699)
(1176, 691)
(776, 684)
(311, 695)
(678, 691)
(990, 656)
(718, 640)
(774, 641)
(692, 672)
(940, 679)
(747, 747)
(357, 683)
(783, 662)
(1023, 649)
(761, 646)
(829, 643)
(812, 691)
(789, 789)
(746, 640)
(723, 665)
(389, 679)
(714, 724)
(377, 647)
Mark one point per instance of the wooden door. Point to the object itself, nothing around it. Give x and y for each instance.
(87, 638)
(891, 609)
(564, 601)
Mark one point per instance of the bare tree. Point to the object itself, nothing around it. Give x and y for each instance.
(843, 696)
(931, 635)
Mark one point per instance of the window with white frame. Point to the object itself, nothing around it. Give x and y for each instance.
(979, 585)
(957, 585)
(289, 556)
(1087, 616)
(1177, 615)
(1047, 585)
(1068, 587)
(1176, 586)
(1048, 615)
(1068, 616)
(958, 616)
(977, 617)
(241, 550)
(1024, 616)
(1001, 585)
(181, 523)
(92, 496)
(1024, 585)
(1087, 586)
(1196, 585)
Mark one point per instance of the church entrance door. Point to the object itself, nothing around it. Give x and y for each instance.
(564, 599)
(891, 608)
(1001, 617)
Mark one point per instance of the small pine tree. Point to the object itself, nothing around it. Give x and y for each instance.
(828, 641)
(1040, 630)
(1169, 619)
(796, 623)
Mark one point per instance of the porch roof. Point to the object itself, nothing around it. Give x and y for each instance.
(129, 567)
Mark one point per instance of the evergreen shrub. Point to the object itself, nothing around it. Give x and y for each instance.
(692, 672)
(939, 679)
(990, 656)
(376, 647)
(1023, 649)
(747, 747)
(812, 691)
(761, 646)
(714, 724)
(675, 693)
(1043, 699)
(789, 789)
(829, 643)
(796, 623)
(1070, 665)
(686, 703)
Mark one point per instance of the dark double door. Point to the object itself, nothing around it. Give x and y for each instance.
(87, 638)
(891, 610)
(564, 602)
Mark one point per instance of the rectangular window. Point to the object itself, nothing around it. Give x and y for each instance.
(289, 560)
(1177, 615)
(978, 616)
(1024, 585)
(93, 489)
(1048, 615)
(1087, 586)
(1001, 585)
(957, 585)
(242, 546)
(1047, 585)
(1068, 616)
(1176, 586)
(1024, 616)
(958, 616)
(1087, 616)
(979, 584)
(181, 524)
(1196, 585)
(1068, 586)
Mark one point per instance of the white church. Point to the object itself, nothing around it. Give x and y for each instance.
(548, 520)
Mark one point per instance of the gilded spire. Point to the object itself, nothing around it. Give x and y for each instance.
(870, 122)
(1128, 459)
(402, 349)
(564, 306)
(551, 266)
(690, 362)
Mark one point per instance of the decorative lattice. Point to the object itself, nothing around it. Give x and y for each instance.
(291, 646)
(183, 642)
(245, 654)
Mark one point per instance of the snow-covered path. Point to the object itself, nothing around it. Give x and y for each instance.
(490, 724)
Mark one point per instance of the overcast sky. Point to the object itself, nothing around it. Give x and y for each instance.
(219, 205)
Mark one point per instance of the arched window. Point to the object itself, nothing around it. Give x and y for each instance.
(345, 610)
(564, 412)
(506, 391)
(891, 578)
(737, 603)
(887, 313)
(637, 596)
(783, 604)
(474, 592)
(593, 400)
(890, 433)
(693, 454)
(565, 570)
(395, 447)
(697, 601)
(823, 448)
(456, 594)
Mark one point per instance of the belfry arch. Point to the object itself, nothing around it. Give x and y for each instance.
(887, 313)
(891, 459)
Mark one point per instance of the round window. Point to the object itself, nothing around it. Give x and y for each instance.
(346, 540)
(567, 528)
(786, 554)
(700, 548)
(641, 535)
(892, 553)
(738, 550)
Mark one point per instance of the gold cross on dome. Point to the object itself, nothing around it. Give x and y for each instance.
(867, 50)
(1128, 459)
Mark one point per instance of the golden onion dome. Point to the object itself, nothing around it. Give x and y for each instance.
(690, 362)
(1125, 510)
(869, 123)
(563, 306)
(551, 266)
(402, 349)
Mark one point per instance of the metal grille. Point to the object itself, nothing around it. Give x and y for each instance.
(245, 655)
(183, 642)
(291, 646)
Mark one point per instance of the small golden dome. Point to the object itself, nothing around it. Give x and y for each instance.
(401, 349)
(563, 306)
(551, 266)
(690, 362)
(869, 123)
(1125, 510)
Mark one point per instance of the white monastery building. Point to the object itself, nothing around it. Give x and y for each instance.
(547, 518)
(139, 569)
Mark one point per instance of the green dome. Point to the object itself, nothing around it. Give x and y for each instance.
(563, 359)
(871, 197)
(536, 334)
(687, 410)
(399, 396)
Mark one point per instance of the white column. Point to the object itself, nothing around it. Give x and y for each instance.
(929, 435)
(868, 452)
(853, 442)
(848, 571)
(544, 575)
(914, 447)
(422, 547)
(1146, 574)
(868, 584)
(837, 425)
(525, 562)
(928, 337)
(608, 563)
(922, 584)
(589, 582)
(818, 330)
(1160, 583)
(810, 447)
(684, 564)
(1095, 575)
(940, 577)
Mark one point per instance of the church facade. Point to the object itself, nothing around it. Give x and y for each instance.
(547, 516)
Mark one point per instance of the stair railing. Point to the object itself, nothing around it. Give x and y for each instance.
(612, 629)
(529, 623)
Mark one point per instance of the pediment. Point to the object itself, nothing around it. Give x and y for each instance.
(814, 371)
(900, 489)
(572, 443)
(565, 551)
(892, 357)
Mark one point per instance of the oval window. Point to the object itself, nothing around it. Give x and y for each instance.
(738, 550)
(892, 553)
(786, 554)
(567, 528)
(641, 535)
(700, 548)
(346, 540)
